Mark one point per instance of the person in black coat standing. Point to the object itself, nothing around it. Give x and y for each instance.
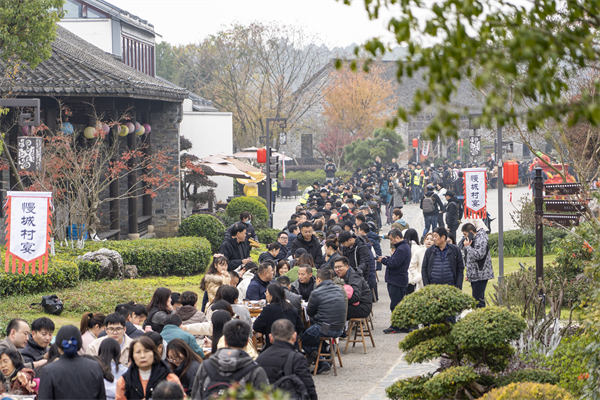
(396, 273)
(277, 308)
(452, 216)
(282, 359)
(459, 191)
(309, 242)
(236, 248)
(443, 263)
(71, 376)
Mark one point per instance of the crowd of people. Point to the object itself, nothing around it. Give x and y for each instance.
(321, 272)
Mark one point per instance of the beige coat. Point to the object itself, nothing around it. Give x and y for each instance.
(414, 269)
(95, 346)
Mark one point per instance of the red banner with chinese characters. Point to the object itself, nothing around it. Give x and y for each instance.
(475, 186)
(28, 230)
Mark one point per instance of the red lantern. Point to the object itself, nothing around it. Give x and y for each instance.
(261, 155)
(415, 143)
(511, 173)
(462, 143)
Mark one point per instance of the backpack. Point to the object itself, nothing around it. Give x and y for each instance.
(219, 384)
(51, 304)
(428, 205)
(290, 383)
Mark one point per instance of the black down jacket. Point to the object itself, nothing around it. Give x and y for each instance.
(360, 257)
(313, 248)
(327, 304)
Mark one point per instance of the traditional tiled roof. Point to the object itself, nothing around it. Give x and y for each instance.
(78, 68)
(199, 103)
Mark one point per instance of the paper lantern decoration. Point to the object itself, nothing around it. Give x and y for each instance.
(25, 130)
(89, 132)
(415, 143)
(67, 128)
(261, 156)
(130, 127)
(511, 173)
(105, 128)
(147, 128)
(124, 131)
(140, 131)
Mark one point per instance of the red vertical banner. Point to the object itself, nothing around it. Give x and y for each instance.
(475, 192)
(28, 230)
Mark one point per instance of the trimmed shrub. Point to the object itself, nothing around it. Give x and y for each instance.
(262, 200)
(182, 256)
(431, 305)
(226, 219)
(88, 270)
(528, 375)
(528, 391)
(253, 206)
(487, 332)
(267, 235)
(519, 244)
(203, 225)
(410, 388)
(570, 362)
(62, 273)
(449, 381)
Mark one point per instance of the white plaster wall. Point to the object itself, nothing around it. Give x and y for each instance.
(96, 31)
(210, 133)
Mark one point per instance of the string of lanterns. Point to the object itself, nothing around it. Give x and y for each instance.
(120, 129)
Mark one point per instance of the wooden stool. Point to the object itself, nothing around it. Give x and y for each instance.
(328, 356)
(363, 324)
(370, 320)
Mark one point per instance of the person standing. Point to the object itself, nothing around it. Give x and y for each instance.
(416, 181)
(443, 263)
(330, 170)
(459, 191)
(396, 273)
(452, 217)
(477, 259)
(431, 206)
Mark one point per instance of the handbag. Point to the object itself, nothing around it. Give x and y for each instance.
(51, 304)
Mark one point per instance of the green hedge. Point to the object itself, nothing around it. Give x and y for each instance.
(517, 244)
(306, 178)
(203, 225)
(181, 256)
(62, 273)
(88, 270)
(267, 235)
(253, 206)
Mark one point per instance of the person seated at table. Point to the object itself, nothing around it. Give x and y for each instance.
(258, 286)
(332, 253)
(283, 337)
(283, 267)
(271, 253)
(247, 277)
(229, 294)
(216, 276)
(277, 308)
(361, 298)
(325, 308)
(184, 363)
(294, 299)
(284, 251)
(188, 312)
(306, 282)
(303, 259)
(16, 379)
(231, 359)
(219, 319)
(236, 248)
(172, 330)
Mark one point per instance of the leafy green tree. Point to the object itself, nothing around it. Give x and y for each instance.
(27, 29)
(166, 66)
(385, 143)
(521, 56)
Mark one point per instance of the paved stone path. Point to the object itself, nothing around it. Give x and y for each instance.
(366, 376)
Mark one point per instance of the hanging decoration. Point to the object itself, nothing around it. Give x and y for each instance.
(124, 131)
(89, 132)
(28, 230)
(139, 129)
(130, 127)
(67, 128)
(425, 149)
(147, 128)
(475, 187)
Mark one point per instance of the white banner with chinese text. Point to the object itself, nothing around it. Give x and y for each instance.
(475, 187)
(28, 230)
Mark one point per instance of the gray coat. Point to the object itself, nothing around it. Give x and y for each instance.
(398, 194)
(475, 252)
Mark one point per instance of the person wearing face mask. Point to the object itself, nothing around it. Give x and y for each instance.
(246, 219)
(41, 336)
(145, 372)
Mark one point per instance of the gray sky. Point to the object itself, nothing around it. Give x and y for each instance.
(189, 21)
